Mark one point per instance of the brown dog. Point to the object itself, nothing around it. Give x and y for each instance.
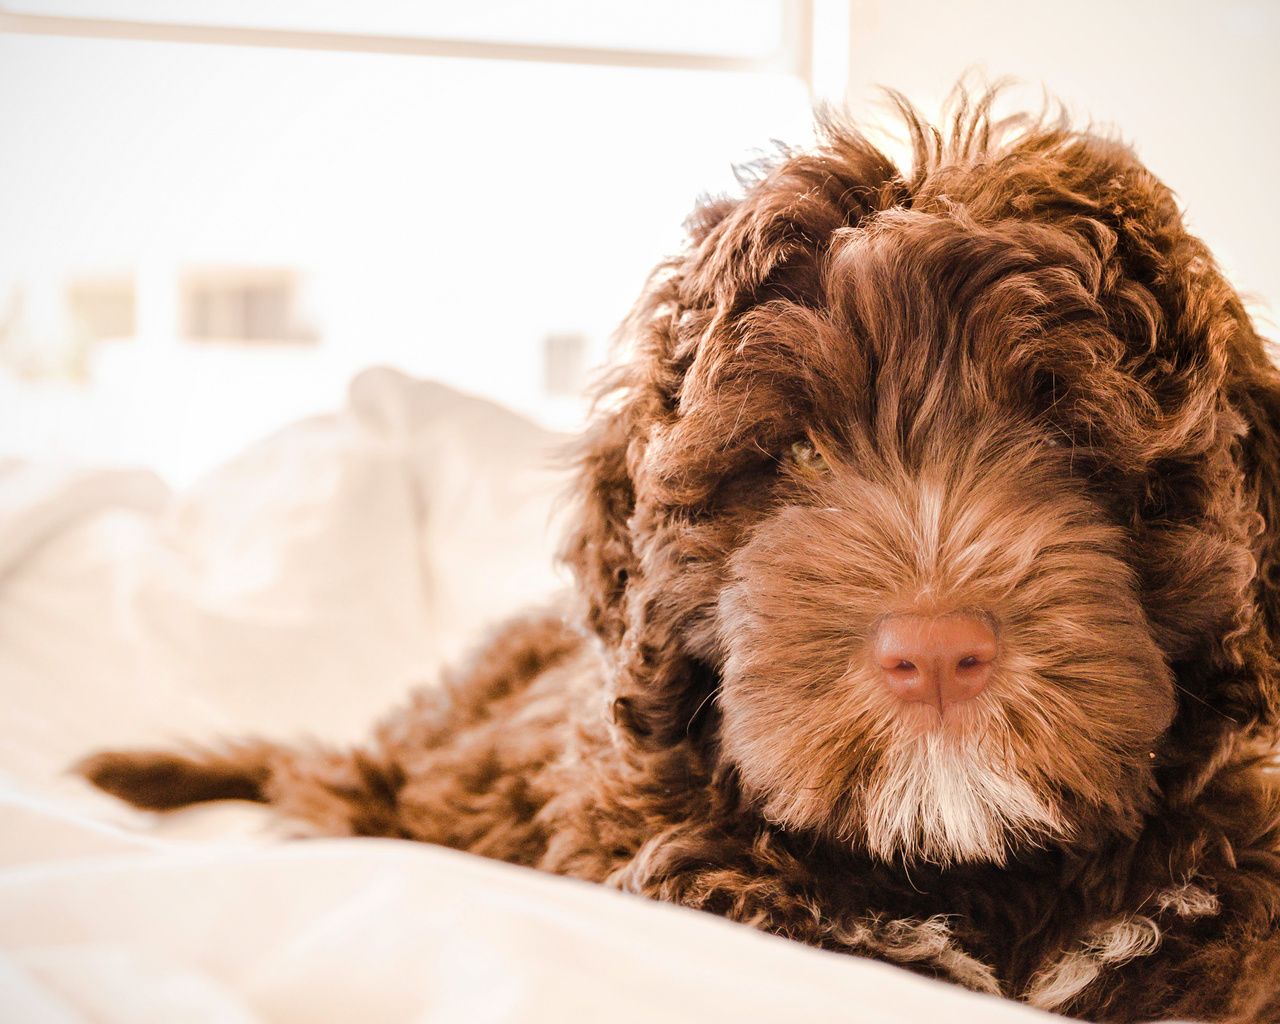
(928, 547)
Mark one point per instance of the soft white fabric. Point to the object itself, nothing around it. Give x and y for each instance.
(300, 589)
(39, 502)
(308, 583)
(381, 931)
(303, 588)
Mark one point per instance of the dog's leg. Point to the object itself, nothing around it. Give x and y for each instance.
(450, 737)
(164, 781)
(338, 793)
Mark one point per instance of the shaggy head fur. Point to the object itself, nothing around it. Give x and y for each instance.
(930, 533)
(1009, 384)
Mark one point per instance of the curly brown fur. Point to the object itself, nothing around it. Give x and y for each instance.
(1006, 389)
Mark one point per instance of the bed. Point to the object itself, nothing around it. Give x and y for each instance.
(303, 588)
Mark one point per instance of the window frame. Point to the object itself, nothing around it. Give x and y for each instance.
(802, 19)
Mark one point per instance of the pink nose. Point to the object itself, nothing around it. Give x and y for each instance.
(937, 660)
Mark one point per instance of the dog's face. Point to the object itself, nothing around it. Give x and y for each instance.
(927, 507)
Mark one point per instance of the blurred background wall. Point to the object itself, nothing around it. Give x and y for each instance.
(213, 213)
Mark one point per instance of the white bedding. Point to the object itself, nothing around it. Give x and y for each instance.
(303, 588)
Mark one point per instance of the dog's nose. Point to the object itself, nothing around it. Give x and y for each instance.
(937, 660)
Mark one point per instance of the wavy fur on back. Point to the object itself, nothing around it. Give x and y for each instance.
(1004, 383)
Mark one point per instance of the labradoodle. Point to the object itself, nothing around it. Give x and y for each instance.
(927, 549)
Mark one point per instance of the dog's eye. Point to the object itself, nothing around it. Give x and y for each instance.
(804, 455)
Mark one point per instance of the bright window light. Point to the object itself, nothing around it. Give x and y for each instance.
(484, 223)
(736, 28)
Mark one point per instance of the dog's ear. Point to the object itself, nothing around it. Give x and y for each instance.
(1219, 396)
(1215, 405)
(642, 589)
(598, 548)
(1254, 392)
(1232, 704)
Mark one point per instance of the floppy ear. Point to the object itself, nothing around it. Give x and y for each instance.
(599, 547)
(1255, 393)
(1221, 393)
(642, 596)
(1235, 707)
(1217, 397)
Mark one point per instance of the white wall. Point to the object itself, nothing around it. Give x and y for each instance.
(447, 216)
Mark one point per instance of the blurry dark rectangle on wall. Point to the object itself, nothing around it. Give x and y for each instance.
(243, 304)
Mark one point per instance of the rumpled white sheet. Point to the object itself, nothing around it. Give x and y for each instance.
(303, 588)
